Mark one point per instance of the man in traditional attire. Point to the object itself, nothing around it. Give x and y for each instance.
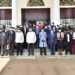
(68, 42)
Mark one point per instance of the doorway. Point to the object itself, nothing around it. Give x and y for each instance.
(34, 16)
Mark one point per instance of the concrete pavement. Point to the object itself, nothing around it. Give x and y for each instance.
(3, 62)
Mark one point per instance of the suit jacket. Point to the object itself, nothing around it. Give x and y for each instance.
(47, 31)
(25, 33)
(2, 38)
(52, 38)
(10, 37)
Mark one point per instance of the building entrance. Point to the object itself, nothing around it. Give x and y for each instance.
(36, 16)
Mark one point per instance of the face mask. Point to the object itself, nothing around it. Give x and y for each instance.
(42, 30)
(45, 27)
(18, 30)
(11, 29)
(0, 30)
(36, 26)
(30, 30)
(59, 30)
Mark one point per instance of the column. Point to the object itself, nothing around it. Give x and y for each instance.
(14, 13)
(19, 16)
(55, 12)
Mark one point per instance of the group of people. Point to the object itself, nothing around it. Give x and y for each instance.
(15, 40)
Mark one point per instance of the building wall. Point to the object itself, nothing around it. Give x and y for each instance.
(23, 4)
(67, 12)
(41, 14)
(67, 16)
(5, 16)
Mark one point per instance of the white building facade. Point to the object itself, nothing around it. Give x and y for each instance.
(20, 13)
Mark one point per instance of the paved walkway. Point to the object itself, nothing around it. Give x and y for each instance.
(3, 62)
(5, 59)
(40, 66)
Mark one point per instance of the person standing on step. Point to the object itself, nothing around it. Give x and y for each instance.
(19, 40)
(52, 40)
(24, 30)
(60, 41)
(10, 36)
(31, 40)
(4, 51)
(68, 42)
(43, 42)
(73, 37)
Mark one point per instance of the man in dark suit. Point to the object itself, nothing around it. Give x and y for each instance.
(25, 30)
(52, 40)
(10, 37)
(48, 29)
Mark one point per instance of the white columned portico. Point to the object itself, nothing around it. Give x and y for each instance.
(14, 13)
(55, 12)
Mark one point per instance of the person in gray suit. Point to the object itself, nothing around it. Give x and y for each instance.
(3, 43)
(0, 41)
(10, 38)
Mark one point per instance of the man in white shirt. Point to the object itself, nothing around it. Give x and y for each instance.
(31, 39)
(19, 40)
